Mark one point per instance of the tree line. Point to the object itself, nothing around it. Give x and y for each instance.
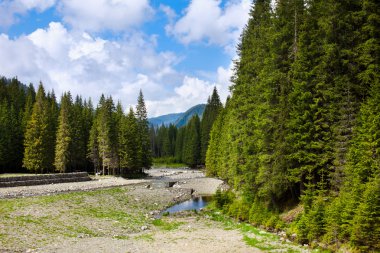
(303, 123)
(41, 136)
(187, 144)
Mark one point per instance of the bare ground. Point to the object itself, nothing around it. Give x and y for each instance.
(117, 215)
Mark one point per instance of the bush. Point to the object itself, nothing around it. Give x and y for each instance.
(223, 199)
(239, 209)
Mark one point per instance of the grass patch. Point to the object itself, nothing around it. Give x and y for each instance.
(167, 162)
(164, 225)
(121, 237)
(43, 219)
(145, 237)
(254, 242)
(18, 175)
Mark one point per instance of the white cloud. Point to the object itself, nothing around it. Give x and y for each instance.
(100, 15)
(11, 9)
(207, 20)
(87, 65)
(169, 12)
(191, 92)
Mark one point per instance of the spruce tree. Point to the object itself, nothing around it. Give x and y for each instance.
(210, 114)
(37, 139)
(107, 135)
(65, 140)
(191, 151)
(142, 119)
(179, 144)
(129, 144)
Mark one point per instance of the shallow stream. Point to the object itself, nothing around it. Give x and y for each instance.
(192, 204)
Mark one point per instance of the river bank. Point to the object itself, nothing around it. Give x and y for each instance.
(119, 216)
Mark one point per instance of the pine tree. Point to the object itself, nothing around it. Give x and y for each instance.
(210, 114)
(142, 119)
(4, 134)
(65, 140)
(93, 147)
(37, 139)
(107, 134)
(52, 125)
(179, 144)
(129, 143)
(191, 151)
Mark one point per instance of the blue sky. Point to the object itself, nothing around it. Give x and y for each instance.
(175, 51)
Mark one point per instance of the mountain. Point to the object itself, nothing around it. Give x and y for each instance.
(178, 119)
(198, 109)
(165, 119)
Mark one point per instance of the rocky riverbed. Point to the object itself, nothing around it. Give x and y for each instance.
(119, 215)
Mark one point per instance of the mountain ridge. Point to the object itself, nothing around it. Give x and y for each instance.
(177, 119)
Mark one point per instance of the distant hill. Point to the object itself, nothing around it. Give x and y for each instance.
(165, 119)
(178, 119)
(198, 109)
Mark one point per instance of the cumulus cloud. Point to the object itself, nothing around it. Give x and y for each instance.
(10, 10)
(192, 91)
(101, 15)
(89, 65)
(207, 20)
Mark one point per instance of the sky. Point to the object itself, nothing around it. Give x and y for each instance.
(175, 51)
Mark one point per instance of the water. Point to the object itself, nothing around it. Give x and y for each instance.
(192, 204)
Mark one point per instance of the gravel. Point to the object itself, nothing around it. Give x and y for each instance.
(185, 178)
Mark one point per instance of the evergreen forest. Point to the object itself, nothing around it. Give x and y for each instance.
(298, 140)
(187, 144)
(41, 136)
(301, 131)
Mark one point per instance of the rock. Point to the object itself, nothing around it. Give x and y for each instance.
(293, 236)
(306, 245)
(143, 228)
(148, 186)
(282, 239)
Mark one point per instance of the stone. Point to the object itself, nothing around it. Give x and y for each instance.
(143, 228)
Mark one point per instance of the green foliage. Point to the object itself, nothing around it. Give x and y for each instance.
(64, 134)
(191, 151)
(366, 223)
(38, 145)
(143, 132)
(223, 199)
(303, 122)
(210, 114)
(166, 225)
(129, 150)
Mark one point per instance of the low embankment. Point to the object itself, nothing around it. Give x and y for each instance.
(44, 179)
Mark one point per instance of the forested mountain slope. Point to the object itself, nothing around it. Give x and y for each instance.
(303, 123)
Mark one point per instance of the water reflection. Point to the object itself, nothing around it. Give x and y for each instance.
(192, 204)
